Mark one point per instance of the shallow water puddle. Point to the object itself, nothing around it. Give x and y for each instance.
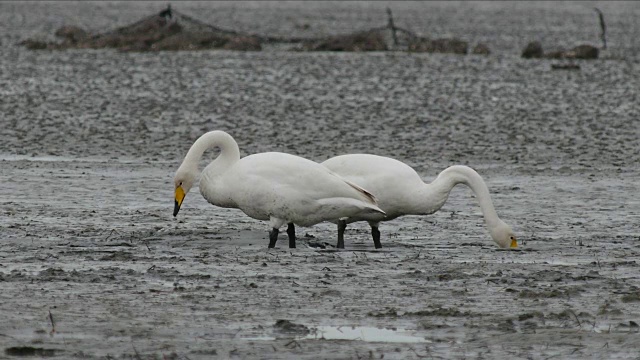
(362, 333)
(355, 333)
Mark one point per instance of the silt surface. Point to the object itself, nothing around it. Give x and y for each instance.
(93, 265)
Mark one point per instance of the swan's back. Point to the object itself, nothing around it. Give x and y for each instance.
(288, 186)
(392, 182)
(373, 172)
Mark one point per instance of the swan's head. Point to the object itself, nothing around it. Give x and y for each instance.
(503, 236)
(183, 181)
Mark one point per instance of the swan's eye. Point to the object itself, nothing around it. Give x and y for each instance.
(181, 185)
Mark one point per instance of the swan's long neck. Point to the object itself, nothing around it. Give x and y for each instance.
(229, 151)
(436, 193)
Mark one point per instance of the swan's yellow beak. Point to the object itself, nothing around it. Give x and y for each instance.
(179, 198)
(514, 242)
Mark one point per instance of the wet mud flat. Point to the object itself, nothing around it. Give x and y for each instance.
(93, 265)
(117, 277)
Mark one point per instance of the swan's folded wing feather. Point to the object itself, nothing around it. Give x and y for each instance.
(348, 204)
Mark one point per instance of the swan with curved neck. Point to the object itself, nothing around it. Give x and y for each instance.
(278, 187)
(401, 191)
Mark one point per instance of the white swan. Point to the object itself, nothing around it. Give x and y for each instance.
(400, 191)
(281, 188)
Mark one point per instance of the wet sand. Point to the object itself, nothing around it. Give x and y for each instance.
(91, 140)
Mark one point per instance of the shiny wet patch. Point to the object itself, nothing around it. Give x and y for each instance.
(362, 333)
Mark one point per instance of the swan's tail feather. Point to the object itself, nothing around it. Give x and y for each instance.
(369, 196)
(348, 205)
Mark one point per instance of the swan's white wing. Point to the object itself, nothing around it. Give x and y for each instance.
(292, 188)
(392, 182)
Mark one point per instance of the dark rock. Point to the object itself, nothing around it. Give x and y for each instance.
(32, 44)
(565, 67)
(481, 49)
(363, 41)
(389, 312)
(582, 52)
(29, 351)
(533, 50)
(243, 43)
(447, 46)
(190, 41)
(71, 33)
(557, 54)
(287, 326)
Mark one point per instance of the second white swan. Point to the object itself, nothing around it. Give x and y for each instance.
(279, 187)
(400, 191)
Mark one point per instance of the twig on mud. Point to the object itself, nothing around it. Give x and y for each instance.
(603, 28)
(295, 344)
(576, 316)
(606, 345)
(151, 267)
(136, 351)
(325, 268)
(111, 233)
(418, 355)
(53, 324)
(392, 26)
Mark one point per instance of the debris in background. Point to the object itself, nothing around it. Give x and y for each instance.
(533, 50)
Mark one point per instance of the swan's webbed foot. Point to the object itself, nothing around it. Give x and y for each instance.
(291, 231)
(342, 226)
(273, 237)
(375, 233)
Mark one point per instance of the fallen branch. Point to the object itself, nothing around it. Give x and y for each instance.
(53, 324)
(603, 27)
(392, 27)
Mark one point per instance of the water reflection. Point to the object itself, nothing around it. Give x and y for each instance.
(362, 333)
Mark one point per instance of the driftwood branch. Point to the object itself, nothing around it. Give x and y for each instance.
(392, 27)
(603, 27)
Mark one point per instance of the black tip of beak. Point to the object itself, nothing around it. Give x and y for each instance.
(176, 208)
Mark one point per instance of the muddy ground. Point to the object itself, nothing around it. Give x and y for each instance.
(93, 265)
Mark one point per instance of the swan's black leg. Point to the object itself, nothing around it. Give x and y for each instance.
(291, 231)
(376, 237)
(342, 226)
(273, 237)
